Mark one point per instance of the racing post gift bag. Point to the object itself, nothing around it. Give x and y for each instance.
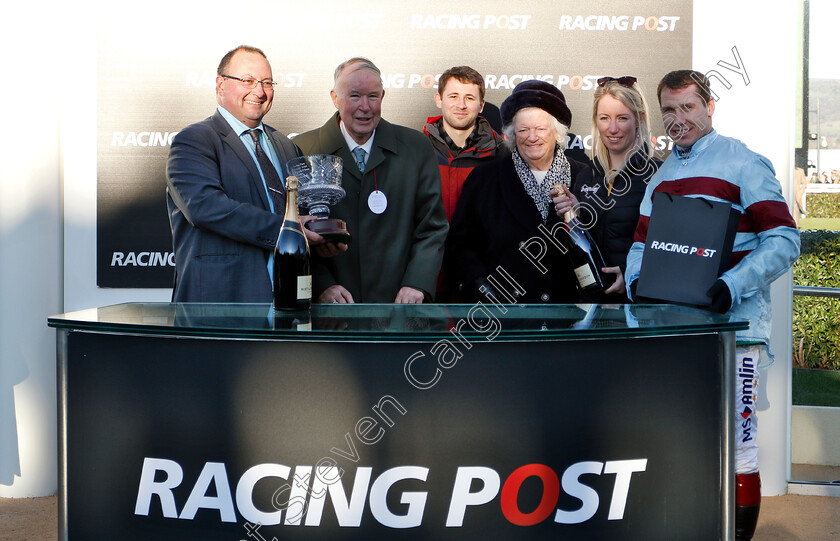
(689, 241)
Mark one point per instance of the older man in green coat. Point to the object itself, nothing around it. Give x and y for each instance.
(393, 207)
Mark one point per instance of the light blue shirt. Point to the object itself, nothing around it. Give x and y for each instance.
(242, 130)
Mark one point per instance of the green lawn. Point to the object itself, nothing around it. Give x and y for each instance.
(825, 224)
(814, 387)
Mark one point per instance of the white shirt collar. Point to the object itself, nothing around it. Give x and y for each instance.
(351, 144)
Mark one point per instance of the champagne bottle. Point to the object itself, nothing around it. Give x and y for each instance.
(292, 276)
(286, 320)
(586, 258)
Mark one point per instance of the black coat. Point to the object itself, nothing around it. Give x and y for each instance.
(614, 215)
(617, 213)
(494, 217)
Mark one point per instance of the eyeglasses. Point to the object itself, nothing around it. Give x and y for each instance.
(627, 81)
(250, 83)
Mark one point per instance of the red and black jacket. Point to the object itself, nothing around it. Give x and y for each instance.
(483, 145)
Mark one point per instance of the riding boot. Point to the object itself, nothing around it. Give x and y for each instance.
(747, 504)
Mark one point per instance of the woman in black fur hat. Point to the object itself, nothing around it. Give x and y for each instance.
(507, 238)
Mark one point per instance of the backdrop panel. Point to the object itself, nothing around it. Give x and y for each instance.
(157, 71)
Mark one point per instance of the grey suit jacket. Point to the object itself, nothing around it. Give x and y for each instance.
(222, 225)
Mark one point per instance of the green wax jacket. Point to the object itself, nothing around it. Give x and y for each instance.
(403, 246)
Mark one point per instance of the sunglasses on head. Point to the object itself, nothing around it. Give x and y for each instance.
(627, 81)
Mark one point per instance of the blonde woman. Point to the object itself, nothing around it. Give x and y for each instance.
(622, 158)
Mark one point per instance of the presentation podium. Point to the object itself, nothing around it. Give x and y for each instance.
(431, 422)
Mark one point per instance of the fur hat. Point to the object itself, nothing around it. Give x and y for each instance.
(540, 94)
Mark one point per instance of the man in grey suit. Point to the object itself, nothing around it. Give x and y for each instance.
(225, 209)
(393, 205)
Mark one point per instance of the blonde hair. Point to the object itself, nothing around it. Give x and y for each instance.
(633, 99)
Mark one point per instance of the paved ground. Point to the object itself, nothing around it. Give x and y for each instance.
(28, 519)
(820, 474)
(798, 518)
(783, 518)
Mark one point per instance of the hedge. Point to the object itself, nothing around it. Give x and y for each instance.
(823, 205)
(816, 320)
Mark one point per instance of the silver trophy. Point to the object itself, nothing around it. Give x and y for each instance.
(319, 181)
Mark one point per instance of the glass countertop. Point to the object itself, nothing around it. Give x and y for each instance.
(398, 322)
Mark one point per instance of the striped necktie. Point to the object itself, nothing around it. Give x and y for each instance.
(272, 179)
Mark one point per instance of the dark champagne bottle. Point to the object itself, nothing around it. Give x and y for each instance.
(586, 259)
(286, 320)
(292, 276)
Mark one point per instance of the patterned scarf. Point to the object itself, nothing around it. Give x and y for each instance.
(558, 173)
